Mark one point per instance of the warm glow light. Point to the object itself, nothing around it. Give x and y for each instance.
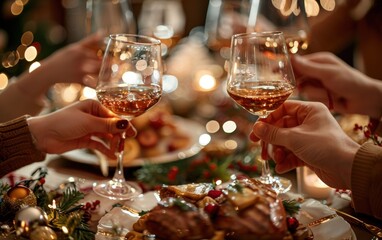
(170, 83)
(3, 81)
(132, 78)
(30, 53)
(70, 93)
(21, 50)
(34, 66)
(311, 8)
(204, 139)
(27, 38)
(230, 144)
(114, 67)
(229, 126)
(16, 8)
(89, 93)
(10, 59)
(212, 126)
(207, 82)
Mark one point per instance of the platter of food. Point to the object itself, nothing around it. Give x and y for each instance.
(157, 142)
(241, 209)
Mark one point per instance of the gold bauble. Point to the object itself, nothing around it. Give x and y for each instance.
(43, 233)
(19, 196)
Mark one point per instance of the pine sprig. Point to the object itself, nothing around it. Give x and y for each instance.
(70, 199)
(4, 187)
(292, 207)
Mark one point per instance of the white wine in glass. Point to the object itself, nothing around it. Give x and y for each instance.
(129, 84)
(260, 79)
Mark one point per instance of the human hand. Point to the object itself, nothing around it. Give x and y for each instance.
(74, 127)
(305, 133)
(75, 63)
(325, 78)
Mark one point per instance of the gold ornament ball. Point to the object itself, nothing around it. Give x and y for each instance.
(28, 219)
(18, 192)
(43, 233)
(18, 196)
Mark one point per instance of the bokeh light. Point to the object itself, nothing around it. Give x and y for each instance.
(212, 126)
(30, 53)
(34, 66)
(3, 81)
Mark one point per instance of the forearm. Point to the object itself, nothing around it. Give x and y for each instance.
(374, 99)
(36, 83)
(17, 146)
(15, 102)
(366, 180)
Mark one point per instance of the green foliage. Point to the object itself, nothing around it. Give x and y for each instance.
(68, 215)
(292, 207)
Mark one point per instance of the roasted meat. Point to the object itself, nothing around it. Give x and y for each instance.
(174, 219)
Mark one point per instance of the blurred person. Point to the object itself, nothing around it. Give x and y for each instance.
(353, 31)
(75, 63)
(26, 139)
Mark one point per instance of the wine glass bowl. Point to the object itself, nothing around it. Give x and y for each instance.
(260, 79)
(129, 84)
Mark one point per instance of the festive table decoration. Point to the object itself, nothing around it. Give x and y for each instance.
(29, 210)
(27, 219)
(18, 196)
(208, 166)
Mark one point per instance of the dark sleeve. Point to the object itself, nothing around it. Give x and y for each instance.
(17, 147)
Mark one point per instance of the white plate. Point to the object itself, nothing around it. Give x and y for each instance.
(190, 128)
(334, 229)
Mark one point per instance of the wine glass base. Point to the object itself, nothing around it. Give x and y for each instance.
(278, 184)
(117, 190)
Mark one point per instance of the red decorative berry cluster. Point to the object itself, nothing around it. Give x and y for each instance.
(211, 208)
(91, 205)
(368, 133)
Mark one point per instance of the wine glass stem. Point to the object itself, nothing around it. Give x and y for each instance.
(119, 174)
(266, 176)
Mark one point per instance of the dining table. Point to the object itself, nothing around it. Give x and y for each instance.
(61, 169)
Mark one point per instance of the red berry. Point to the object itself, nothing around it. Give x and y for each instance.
(215, 193)
(292, 223)
(211, 209)
(42, 181)
(172, 173)
(88, 205)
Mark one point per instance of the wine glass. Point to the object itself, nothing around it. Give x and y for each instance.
(109, 17)
(287, 17)
(260, 79)
(129, 84)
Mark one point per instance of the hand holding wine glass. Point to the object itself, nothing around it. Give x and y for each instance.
(260, 79)
(129, 84)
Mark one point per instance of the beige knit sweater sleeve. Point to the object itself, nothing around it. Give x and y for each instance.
(16, 146)
(366, 179)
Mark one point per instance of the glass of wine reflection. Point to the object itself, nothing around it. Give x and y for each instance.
(260, 79)
(129, 84)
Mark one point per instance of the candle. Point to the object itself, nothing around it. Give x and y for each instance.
(311, 185)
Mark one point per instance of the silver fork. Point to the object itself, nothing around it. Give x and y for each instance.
(374, 230)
